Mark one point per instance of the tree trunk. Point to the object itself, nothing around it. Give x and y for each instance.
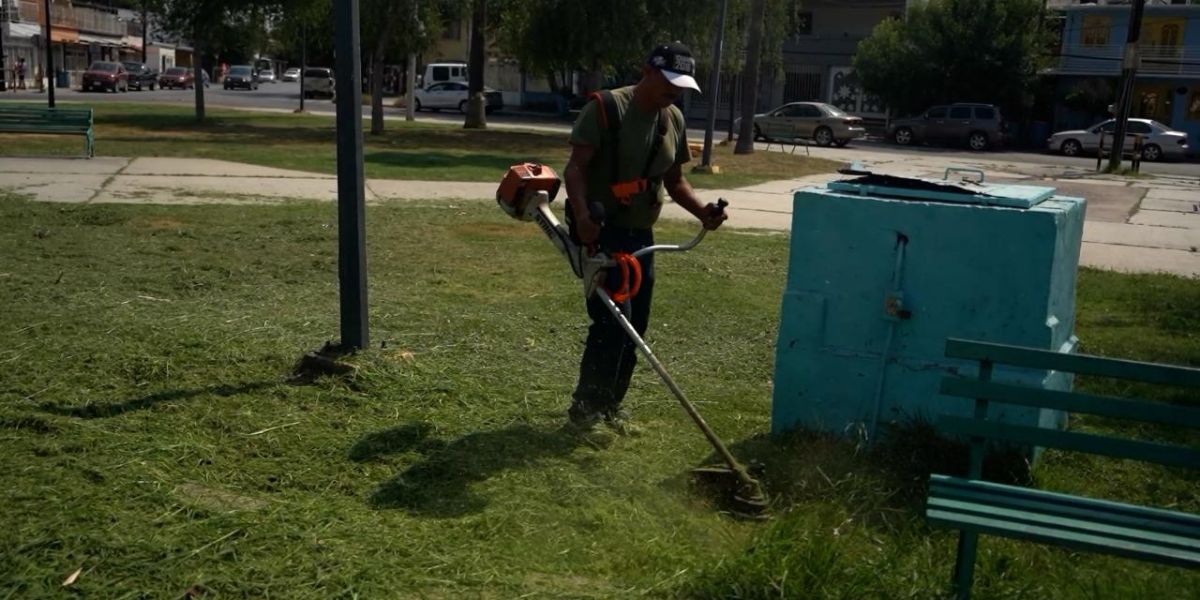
(377, 92)
(198, 77)
(476, 104)
(745, 143)
(377, 58)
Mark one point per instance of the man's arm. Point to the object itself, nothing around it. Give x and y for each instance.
(682, 193)
(577, 200)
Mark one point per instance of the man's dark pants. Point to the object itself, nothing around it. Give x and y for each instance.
(609, 355)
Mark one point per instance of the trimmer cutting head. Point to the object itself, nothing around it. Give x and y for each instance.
(742, 499)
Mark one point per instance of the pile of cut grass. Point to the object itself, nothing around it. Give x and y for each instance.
(151, 439)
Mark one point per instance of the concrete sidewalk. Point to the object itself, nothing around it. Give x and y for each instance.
(1135, 225)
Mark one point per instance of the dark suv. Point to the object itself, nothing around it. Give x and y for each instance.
(979, 126)
(141, 76)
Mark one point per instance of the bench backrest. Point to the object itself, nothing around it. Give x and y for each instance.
(40, 116)
(984, 391)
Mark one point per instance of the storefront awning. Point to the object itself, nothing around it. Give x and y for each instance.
(65, 36)
(23, 30)
(99, 40)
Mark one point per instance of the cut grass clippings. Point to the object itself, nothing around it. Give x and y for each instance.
(429, 151)
(150, 440)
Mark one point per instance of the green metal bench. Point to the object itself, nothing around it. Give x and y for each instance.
(49, 121)
(978, 507)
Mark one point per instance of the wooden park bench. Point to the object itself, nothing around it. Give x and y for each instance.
(51, 121)
(978, 507)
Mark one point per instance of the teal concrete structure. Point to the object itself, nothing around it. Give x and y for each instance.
(884, 269)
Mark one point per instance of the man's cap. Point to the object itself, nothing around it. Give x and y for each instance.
(675, 62)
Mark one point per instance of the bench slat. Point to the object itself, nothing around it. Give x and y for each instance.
(1074, 363)
(1169, 527)
(1136, 410)
(1164, 454)
(1071, 539)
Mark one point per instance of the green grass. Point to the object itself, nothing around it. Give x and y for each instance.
(420, 150)
(148, 435)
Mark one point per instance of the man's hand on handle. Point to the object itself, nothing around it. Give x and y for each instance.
(714, 214)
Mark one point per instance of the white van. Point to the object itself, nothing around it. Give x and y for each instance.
(443, 71)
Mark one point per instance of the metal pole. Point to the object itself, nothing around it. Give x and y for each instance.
(1128, 75)
(3, 20)
(714, 87)
(49, 70)
(145, 29)
(352, 253)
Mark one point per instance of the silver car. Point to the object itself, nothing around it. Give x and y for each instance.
(1158, 141)
(822, 123)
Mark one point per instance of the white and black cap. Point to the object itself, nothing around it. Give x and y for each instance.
(675, 62)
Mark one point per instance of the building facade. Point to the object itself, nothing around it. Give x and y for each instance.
(1167, 88)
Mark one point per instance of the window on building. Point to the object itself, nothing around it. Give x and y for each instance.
(1170, 35)
(1193, 107)
(802, 22)
(1095, 30)
(452, 30)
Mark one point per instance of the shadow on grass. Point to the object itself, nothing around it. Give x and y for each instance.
(100, 411)
(440, 484)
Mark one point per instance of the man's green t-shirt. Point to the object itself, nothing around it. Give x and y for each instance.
(637, 133)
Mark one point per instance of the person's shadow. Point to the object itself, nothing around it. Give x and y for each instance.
(439, 485)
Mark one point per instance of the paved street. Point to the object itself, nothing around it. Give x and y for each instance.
(1141, 225)
(285, 97)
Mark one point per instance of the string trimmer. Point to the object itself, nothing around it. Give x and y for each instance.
(525, 194)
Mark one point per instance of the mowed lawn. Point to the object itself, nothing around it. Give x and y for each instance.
(151, 441)
(422, 150)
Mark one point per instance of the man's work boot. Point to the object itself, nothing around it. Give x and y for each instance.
(583, 417)
(619, 420)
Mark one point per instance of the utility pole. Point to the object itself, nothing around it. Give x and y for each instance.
(714, 90)
(3, 19)
(145, 28)
(1128, 75)
(352, 253)
(49, 70)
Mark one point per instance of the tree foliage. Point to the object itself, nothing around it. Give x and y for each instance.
(553, 38)
(954, 51)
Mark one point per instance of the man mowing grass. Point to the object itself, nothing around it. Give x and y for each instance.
(627, 147)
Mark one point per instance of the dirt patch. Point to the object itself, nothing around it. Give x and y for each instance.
(159, 223)
(496, 230)
(216, 499)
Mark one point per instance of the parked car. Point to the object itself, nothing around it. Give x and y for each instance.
(318, 81)
(979, 126)
(141, 76)
(823, 123)
(267, 76)
(241, 76)
(453, 94)
(292, 74)
(443, 71)
(103, 76)
(1159, 142)
(177, 78)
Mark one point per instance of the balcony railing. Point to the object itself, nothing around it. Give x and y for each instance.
(1077, 59)
(83, 18)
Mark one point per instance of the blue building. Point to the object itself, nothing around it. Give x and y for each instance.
(1088, 72)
